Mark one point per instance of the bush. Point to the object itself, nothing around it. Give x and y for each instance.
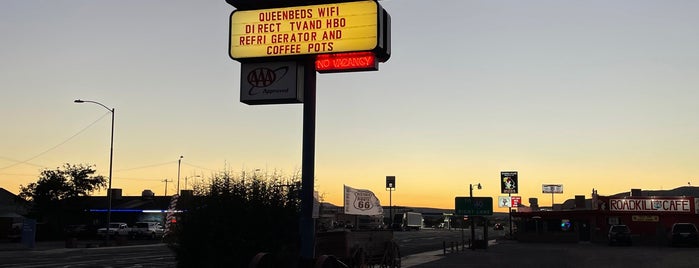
(231, 219)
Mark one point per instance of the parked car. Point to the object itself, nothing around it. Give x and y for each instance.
(115, 229)
(684, 234)
(147, 229)
(619, 234)
(82, 231)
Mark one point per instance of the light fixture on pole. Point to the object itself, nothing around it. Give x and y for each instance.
(185, 180)
(111, 157)
(390, 187)
(473, 225)
(179, 164)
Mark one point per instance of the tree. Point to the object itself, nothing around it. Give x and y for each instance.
(55, 186)
(59, 184)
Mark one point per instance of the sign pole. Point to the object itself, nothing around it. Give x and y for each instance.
(307, 225)
(510, 195)
(473, 225)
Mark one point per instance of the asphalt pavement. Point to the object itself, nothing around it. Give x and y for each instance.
(507, 253)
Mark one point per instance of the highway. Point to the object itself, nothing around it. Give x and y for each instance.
(159, 255)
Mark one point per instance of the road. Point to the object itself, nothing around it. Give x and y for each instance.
(152, 254)
(432, 239)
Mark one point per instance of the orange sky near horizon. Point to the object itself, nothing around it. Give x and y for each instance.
(587, 94)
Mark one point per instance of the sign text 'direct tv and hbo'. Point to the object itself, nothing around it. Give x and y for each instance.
(315, 29)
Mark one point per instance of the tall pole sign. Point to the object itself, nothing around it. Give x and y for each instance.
(552, 189)
(509, 183)
(281, 44)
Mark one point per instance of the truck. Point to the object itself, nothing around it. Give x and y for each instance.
(412, 221)
(115, 229)
(147, 229)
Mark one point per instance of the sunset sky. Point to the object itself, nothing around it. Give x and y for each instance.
(588, 94)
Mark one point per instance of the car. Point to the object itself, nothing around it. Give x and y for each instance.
(81, 231)
(498, 226)
(115, 229)
(684, 234)
(147, 229)
(619, 234)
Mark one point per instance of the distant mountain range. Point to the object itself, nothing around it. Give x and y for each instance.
(680, 191)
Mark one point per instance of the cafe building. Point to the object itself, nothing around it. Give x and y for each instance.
(649, 215)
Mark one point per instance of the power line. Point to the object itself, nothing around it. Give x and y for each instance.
(56, 146)
(148, 166)
(199, 167)
(18, 161)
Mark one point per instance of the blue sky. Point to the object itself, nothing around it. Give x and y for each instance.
(588, 94)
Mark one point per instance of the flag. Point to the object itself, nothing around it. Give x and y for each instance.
(361, 202)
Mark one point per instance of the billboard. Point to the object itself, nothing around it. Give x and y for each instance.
(552, 188)
(306, 30)
(508, 182)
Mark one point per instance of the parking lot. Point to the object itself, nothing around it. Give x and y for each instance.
(515, 254)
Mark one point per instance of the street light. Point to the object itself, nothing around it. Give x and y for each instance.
(185, 180)
(179, 164)
(111, 157)
(473, 224)
(390, 187)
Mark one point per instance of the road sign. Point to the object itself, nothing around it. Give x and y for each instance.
(482, 206)
(509, 201)
(508, 182)
(390, 182)
(552, 188)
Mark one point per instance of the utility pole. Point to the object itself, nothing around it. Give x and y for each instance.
(166, 181)
(179, 164)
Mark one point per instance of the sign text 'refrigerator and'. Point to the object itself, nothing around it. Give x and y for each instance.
(304, 30)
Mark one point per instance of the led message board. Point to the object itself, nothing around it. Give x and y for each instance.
(305, 30)
(345, 62)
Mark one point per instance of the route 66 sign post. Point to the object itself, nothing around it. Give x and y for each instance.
(338, 35)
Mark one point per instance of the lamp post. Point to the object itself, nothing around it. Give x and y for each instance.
(111, 157)
(390, 187)
(473, 224)
(179, 164)
(185, 180)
